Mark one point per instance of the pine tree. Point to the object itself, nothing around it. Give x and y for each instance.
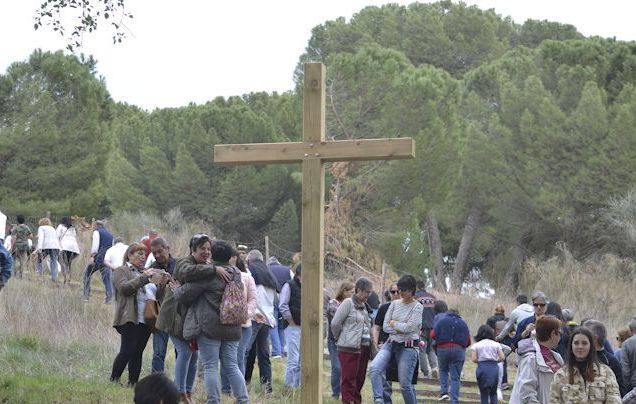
(283, 228)
(191, 189)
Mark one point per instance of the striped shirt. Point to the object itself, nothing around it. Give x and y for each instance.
(408, 318)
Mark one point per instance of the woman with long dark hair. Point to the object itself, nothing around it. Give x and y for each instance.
(584, 379)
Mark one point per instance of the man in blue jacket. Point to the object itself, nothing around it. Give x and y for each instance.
(453, 337)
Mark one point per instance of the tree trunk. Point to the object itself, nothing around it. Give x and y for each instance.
(461, 261)
(435, 250)
(512, 281)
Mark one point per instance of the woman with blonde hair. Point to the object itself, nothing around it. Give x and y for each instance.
(48, 245)
(344, 291)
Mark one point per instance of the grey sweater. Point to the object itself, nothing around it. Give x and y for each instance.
(408, 318)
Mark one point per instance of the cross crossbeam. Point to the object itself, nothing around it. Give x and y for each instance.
(312, 152)
(327, 151)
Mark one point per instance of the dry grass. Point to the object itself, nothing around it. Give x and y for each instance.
(56, 348)
(600, 287)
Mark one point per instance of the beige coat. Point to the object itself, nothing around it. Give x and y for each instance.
(603, 390)
(348, 323)
(126, 283)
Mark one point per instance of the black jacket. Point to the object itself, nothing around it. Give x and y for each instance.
(610, 360)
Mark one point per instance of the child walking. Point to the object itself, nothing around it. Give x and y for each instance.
(487, 353)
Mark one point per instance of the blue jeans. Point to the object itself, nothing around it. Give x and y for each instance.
(406, 360)
(277, 336)
(212, 351)
(335, 368)
(105, 272)
(53, 255)
(185, 366)
(451, 361)
(292, 371)
(488, 381)
(159, 348)
(246, 335)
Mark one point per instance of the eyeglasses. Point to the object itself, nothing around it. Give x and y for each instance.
(395, 292)
(538, 304)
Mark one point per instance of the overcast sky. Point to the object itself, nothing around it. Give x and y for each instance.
(202, 49)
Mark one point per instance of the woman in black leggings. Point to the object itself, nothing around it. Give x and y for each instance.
(130, 282)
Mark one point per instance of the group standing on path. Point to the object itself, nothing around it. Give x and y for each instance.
(223, 306)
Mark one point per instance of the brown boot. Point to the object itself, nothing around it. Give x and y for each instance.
(189, 396)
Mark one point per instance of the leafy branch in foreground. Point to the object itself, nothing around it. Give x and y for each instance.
(86, 15)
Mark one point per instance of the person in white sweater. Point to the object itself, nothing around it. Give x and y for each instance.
(48, 246)
(69, 248)
(402, 322)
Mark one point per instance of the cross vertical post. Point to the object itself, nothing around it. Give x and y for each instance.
(312, 153)
(313, 196)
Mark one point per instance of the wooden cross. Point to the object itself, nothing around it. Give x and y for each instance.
(312, 152)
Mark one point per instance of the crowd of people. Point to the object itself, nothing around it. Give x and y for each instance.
(223, 308)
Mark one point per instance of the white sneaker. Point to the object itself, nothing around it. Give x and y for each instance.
(277, 357)
(444, 397)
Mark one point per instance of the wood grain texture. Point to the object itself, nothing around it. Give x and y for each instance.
(327, 151)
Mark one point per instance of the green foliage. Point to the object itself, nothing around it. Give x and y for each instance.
(53, 142)
(530, 124)
(191, 187)
(284, 227)
(248, 197)
(122, 185)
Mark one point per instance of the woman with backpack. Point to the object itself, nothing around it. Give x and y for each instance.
(402, 322)
(351, 327)
(216, 311)
(193, 268)
(246, 328)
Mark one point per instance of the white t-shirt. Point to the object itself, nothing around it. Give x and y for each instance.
(114, 256)
(487, 350)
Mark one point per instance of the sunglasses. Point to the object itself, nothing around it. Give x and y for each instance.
(395, 292)
(538, 304)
